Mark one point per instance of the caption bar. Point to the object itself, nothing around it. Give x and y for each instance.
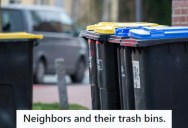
(94, 119)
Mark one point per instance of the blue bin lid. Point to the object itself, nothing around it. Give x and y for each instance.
(123, 32)
(159, 32)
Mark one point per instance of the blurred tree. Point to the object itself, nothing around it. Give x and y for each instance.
(158, 11)
(90, 12)
(126, 10)
(106, 10)
(95, 10)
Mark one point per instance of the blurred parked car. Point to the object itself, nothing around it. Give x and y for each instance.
(60, 38)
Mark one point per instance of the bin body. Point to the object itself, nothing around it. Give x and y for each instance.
(16, 72)
(107, 72)
(124, 73)
(163, 72)
(15, 80)
(95, 91)
(93, 75)
(126, 76)
(92, 60)
(108, 79)
(160, 71)
(125, 69)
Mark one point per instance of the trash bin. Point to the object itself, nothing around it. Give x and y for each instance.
(95, 96)
(93, 62)
(16, 55)
(160, 70)
(123, 58)
(93, 76)
(107, 61)
(124, 67)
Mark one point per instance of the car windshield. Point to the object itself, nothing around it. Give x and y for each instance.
(65, 19)
(51, 21)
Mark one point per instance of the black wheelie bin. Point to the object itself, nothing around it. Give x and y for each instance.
(124, 60)
(16, 72)
(95, 96)
(160, 70)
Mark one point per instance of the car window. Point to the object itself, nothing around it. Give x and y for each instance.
(67, 23)
(12, 21)
(49, 21)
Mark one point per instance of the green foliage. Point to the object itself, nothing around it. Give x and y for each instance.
(55, 106)
(126, 10)
(158, 11)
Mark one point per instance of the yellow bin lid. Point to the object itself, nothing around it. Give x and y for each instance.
(100, 24)
(110, 29)
(20, 35)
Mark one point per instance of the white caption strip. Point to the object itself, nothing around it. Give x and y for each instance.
(94, 119)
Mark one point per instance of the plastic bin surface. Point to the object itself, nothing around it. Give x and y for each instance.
(123, 32)
(19, 35)
(100, 24)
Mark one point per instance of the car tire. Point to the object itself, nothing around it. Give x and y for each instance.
(40, 72)
(78, 76)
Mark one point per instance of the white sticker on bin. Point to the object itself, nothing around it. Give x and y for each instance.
(136, 74)
(99, 65)
(122, 71)
(90, 61)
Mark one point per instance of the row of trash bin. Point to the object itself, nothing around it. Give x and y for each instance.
(139, 66)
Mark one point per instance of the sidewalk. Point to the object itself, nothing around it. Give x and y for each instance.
(77, 94)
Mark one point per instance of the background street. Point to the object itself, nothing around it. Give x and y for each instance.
(77, 93)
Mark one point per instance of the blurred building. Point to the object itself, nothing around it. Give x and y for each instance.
(180, 12)
(82, 11)
(86, 12)
(30, 2)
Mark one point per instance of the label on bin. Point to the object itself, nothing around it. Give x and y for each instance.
(122, 71)
(90, 61)
(136, 74)
(99, 64)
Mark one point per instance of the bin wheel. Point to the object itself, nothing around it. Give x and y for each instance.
(40, 72)
(80, 70)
